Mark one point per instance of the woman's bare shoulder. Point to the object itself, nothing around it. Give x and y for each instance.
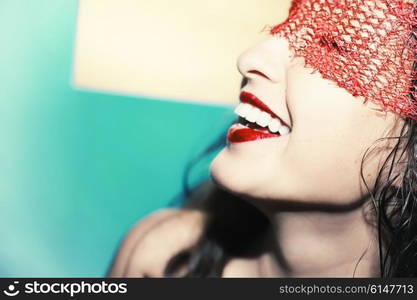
(151, 243)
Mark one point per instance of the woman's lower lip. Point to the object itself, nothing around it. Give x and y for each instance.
(240, 135)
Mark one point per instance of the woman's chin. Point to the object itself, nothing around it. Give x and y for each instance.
(236, 177)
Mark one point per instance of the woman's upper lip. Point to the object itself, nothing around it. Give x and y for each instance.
(251, 99)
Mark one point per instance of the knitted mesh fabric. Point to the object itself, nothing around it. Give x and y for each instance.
(366, 47)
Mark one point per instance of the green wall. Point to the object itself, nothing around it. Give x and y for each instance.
(78, 168)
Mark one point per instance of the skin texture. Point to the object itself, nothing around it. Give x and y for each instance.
(144, 251)
(308, 183)
(330, 132)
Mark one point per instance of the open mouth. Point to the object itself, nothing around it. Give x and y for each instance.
(245, 123)
(256, 121)
(252, 117)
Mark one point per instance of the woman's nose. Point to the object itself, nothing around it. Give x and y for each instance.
(265, 61)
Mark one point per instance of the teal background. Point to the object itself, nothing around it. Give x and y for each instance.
(78, 168)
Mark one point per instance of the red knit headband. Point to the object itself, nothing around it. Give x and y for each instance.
(367, 47)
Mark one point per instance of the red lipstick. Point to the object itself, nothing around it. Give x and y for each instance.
(251, 131)
(240, 135)
(246, 97)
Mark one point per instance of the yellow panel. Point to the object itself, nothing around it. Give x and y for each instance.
(176, 49)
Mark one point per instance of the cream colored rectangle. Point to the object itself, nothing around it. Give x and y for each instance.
(168, 49)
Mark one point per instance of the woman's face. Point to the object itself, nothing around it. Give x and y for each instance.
(319, 160)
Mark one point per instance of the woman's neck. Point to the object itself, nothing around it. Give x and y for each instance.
(320, 244)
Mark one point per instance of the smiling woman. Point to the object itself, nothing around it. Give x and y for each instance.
(258, 116)
(318, 177)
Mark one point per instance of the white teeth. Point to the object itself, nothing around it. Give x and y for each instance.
(263, 119)
(284, 130)
(274, 125)
(242, 109)
(238, 109)
(253, 114)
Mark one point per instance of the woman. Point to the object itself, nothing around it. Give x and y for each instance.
(318, 177)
